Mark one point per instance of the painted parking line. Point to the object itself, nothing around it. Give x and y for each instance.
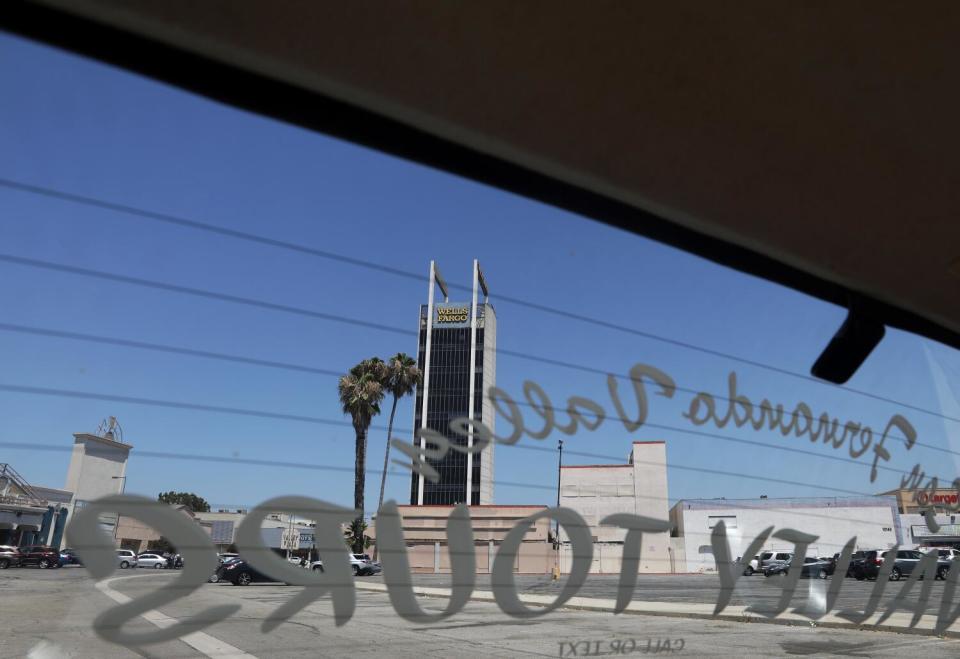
(202, 642)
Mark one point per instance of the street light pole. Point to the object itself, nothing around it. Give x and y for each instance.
(556, 535)
(559, 466)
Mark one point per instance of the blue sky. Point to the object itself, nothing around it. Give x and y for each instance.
(89, 129)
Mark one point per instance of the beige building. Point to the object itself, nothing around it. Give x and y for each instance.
(424, 528)
(639, 487)
(98, 468)
(137, 536)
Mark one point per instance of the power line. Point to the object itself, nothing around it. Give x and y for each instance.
(199, 292)
(350, 470)
(133, 211)
(334, 373)
(159, 347)
(202, 226)
(340, 423)
(69, 393)
(282, 308)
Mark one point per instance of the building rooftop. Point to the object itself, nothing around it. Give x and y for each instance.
(789, 502)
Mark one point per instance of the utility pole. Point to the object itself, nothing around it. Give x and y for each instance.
(556, 534)
(123, 485)
(289, 534)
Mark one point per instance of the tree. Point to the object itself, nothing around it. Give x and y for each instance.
(355, 536)
(402, 378)
(361, 391)
(197, 504)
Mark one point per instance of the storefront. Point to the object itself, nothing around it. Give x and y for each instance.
(912, 501)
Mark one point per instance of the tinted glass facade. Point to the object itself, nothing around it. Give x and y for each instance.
(448, 387)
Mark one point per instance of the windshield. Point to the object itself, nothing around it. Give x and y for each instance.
(222, 333)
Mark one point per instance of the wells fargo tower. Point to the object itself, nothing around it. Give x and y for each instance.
(457, 355)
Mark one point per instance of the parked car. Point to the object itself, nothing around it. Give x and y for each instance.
(241, 573)
(904, 563)
(866, 564)
(831, 562)
(948, 553)
(812, 567)
(40, 555)
(367, 566)
(943, 567)
(69, 557)
(217, 576)
(752, 566)
(224, 557)
(360, 566)
(768, 557)
(9, 557)
(857, 560)
(156, 561)
(126, 558)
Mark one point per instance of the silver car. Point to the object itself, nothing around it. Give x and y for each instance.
(126, 558)
(151, 560)
(9, 556)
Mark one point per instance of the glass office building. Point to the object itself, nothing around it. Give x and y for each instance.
(457, 355)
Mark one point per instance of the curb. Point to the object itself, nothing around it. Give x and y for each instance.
(924, 626)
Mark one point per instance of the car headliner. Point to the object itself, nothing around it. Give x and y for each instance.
(809, 143)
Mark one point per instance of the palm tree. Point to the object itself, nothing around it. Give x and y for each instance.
(402, 378)
(361, 391)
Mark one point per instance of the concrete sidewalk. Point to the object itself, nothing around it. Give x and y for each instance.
(898, 622)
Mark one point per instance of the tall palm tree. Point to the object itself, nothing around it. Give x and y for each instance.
(402, 378)
(361, 391)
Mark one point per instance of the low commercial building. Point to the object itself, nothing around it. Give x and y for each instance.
(30, 514)
(639, 487)
(425, 533)
(137, 536)
(834, 520)
(942, 501)
(915, 533)
(280, 531)
(223, 526)
(22, 509)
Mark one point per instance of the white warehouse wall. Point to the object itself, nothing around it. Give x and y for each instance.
(873, 520)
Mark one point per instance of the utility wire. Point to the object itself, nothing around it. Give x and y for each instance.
(350, 470)
(199, 292)
(335, 373)
(297, 311)
(159, 347)
(339, 423)
(133, 211)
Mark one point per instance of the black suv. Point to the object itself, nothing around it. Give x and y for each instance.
(40, 555)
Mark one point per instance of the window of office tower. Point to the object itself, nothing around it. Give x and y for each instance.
(193, 299)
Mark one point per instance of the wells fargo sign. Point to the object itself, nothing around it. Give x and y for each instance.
(457, 314)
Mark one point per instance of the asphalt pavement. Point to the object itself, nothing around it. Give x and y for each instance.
(47, 614)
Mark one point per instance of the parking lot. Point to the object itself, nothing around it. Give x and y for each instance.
(50, 613)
